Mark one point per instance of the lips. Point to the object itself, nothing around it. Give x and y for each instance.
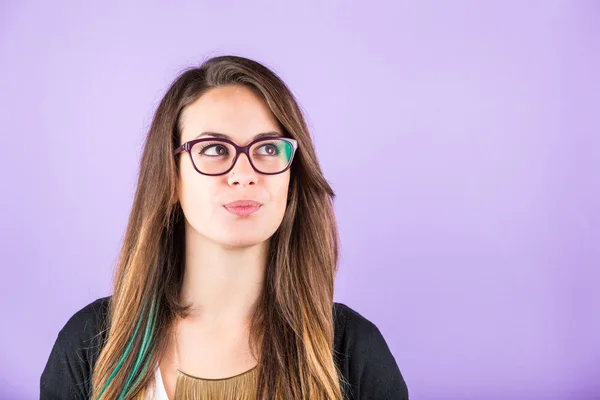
(243, 203)
(243, 208)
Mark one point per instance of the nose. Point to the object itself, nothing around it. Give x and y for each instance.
(242, 173)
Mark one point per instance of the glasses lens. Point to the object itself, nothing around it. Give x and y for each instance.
(212, 157)
(271, 155)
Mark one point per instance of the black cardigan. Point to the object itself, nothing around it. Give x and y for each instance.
(361, 352)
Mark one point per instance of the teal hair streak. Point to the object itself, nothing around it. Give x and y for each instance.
(148, 335)
(125, 354)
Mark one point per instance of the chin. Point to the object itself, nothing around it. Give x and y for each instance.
(240, 241)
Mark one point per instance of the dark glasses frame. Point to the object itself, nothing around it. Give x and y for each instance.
(187, 147)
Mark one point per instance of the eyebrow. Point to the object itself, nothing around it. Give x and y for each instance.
(224, 136)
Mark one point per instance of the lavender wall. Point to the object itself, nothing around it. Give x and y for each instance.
(467, 197)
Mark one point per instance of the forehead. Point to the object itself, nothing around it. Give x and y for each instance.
(232, 110)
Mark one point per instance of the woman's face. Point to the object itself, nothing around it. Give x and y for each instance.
(235, 111)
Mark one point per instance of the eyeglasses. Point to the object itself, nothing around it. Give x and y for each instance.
(216, 156)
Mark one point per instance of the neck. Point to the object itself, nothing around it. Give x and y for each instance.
(223, 285)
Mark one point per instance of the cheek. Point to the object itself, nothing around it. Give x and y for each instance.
(195, 192)
(279, 193)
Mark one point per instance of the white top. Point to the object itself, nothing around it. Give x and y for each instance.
(159, 392)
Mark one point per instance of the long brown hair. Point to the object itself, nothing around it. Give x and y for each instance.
(293, 324)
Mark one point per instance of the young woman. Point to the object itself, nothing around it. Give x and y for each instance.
(224, 285)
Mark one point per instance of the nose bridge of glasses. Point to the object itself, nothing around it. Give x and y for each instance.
(242, 151)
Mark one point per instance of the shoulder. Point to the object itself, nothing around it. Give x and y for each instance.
(364, 358)
(87, 320)
(356, 332)
(85, 327)
(76, 348)
(351, 322)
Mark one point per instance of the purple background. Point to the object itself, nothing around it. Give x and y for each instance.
(462, 139)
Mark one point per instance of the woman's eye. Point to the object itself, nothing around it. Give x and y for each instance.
(269, 150)
(214, 150)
